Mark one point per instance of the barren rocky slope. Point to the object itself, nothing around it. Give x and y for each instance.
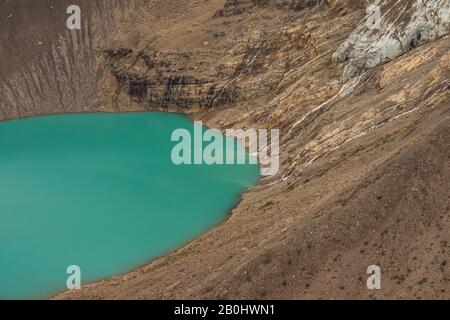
(365, 132)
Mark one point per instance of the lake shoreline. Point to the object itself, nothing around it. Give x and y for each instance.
(227, 213)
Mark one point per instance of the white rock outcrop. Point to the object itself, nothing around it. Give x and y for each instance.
(391, 28)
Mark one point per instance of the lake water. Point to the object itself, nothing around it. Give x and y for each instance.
(100, 191)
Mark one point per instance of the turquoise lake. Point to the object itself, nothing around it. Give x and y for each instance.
(100, 191)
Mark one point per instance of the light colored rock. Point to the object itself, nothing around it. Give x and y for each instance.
(400, 27)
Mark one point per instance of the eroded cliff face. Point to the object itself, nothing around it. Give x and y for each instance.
(233, 7)
(365, 136)
(45, 67)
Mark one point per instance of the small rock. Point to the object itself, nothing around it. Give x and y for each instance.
(220, 34)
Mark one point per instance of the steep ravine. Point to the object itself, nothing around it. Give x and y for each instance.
(365, 132)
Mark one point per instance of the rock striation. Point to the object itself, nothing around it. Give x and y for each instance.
(390, 29)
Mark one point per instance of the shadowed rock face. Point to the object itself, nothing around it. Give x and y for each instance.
(364, 163)
(402, 26)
